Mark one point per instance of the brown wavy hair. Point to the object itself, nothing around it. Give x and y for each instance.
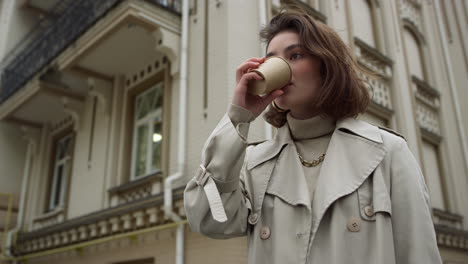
(343, 94)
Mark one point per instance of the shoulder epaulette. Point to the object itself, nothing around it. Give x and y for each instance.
(255, 143)
(392, 131)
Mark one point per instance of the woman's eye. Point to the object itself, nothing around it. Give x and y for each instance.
(296, 56)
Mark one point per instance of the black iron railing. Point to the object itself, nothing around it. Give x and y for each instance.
(69, 19)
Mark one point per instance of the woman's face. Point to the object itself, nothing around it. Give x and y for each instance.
(306, 79)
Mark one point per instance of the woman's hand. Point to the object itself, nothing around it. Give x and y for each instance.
(254, 103)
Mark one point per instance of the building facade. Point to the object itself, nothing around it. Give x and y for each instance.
(105, 106)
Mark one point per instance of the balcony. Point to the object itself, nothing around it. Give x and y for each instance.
(137, 189)
(427, 109)
(124, 220)
(60, 28)
(380, 88)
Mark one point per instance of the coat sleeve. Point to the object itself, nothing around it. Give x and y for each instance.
(413, 228)
(215, 200)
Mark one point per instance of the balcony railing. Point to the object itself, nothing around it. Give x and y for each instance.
(374, 60)
(427, 108)
(131, 217)
(54, 34)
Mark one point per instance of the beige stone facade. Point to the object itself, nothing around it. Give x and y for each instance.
(102, 101)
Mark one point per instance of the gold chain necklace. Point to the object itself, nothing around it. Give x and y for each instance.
(312, 163)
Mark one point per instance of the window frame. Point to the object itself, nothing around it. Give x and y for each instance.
(375, 31)
(51, 181)
(421, 45)
(147, 120)
(440, 166)
(123, 175)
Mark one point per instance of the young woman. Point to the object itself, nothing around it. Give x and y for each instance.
(328, 188)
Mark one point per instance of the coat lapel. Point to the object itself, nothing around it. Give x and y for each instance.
(287, 180)
(355, 150)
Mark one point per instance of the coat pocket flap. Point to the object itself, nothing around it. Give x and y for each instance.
(373, 199)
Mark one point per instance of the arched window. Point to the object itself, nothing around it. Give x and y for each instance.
(363, 22)
(414, 54)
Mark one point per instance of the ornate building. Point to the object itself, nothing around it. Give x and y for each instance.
(105, 106)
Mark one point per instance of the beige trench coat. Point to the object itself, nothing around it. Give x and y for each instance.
(371, 204)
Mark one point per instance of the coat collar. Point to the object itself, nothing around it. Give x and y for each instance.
(271, 148)
(355, 150)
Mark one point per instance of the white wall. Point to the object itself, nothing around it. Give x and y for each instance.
(12, 158)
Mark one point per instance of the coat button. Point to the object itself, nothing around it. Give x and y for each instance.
(265, 232)
(369, 210)
(253, 218)
(354, 224)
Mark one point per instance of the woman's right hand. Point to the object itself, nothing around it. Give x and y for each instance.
(254, 103)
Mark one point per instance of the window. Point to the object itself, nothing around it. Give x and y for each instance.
(63, 153)
(147, 132)
(414, 55)
(363, 23)
(432, 174)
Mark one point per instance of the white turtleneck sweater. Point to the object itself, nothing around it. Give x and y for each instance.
(311, 137)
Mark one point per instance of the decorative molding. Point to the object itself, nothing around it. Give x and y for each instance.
(380, 111)
(62, 124)
(378, 86)
(120, 219)
(168, 43)
(136, 183)
(449, 237)
(384, 63)
(51, 218)
(425, 88)
(137, 189)
(428, 119)
(416, 31)
(379, 89)
(442, 217)
(429, 136)
(73, 111)
(427, 109)
(147, 72)
(410, 14)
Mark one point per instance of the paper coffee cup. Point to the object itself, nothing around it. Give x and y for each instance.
(276, 73)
